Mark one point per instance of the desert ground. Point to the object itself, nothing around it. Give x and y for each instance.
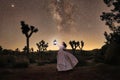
(99, 71)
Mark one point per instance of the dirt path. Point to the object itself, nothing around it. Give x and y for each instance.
(49, 72)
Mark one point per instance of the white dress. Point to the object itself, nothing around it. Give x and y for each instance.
(65, 60)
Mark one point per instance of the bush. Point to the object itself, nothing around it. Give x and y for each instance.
(40, 63)
(3, 61)
(112, 55)
(7, 61)
(21, 65)
(32, 59)
(21, 62)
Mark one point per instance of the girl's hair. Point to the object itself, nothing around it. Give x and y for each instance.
(64, 44)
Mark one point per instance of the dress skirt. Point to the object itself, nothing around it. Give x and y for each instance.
(65, 61)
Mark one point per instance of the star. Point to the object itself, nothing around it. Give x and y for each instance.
(58, 0)
(12, 5)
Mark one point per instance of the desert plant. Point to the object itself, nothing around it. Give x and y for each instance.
(21, 62)
(7, 60)
(1, 48)
(82, 44)
(21, 65)
(74, 44)
(28, 31)
(42, 45)
(112, 20)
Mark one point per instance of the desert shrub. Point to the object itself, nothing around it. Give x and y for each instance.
(40, 63)
(32, 58)
(21, 62)
(103, 49)
(11, 60)
(48, 56)
(7, 60)
(112, 55)
(21, 65)
(86, 53)
(99, 58)
(3, 61)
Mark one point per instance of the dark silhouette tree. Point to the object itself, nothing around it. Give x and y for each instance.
(17, 50)
(82, 45)
(77, 44)
(74, 44)
(1, 48)
(112, 20)
(42, 45)
(25, 49)
(28, 31)
(32, 49)
(71, 44)
(45, 47)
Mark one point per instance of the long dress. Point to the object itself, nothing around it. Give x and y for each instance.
(65, 60)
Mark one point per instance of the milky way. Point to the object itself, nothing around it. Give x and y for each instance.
(63, 13)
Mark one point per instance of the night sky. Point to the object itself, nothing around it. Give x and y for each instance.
(63, 20)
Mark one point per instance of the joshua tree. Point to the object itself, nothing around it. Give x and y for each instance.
(25, 49)
(42, 46)
(45, 47)
(71, 44)
(78, 44)
(28, 31)
(74, 45)
(82, 45)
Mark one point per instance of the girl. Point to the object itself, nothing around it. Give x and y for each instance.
(65, 60)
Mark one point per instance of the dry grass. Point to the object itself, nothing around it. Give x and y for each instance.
(49, 72)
